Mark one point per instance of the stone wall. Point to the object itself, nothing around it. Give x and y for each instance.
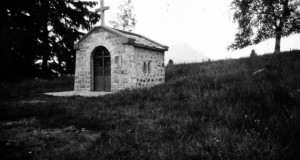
(156, 75)
(122, 69)
(126, 63)
(84, 78)
(121, 58)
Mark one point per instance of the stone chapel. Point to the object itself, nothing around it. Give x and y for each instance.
(110, 60)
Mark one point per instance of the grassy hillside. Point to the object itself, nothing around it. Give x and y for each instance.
(212, 110)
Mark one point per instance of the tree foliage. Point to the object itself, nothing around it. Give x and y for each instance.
(125, 19)
(37, 36)
(262, 19)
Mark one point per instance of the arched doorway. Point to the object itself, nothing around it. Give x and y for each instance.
(102, 68)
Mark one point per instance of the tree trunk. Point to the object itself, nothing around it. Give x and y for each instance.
(277, 41)
(279, 29)
(5, 55)
(45, 40)
(46, 51)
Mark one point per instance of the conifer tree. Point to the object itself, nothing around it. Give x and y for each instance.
(43, 31)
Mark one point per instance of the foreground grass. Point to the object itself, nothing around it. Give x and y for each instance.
(213, 110)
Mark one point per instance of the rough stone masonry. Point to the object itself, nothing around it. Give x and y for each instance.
(135, 60)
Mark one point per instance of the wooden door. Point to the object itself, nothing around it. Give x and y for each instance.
(102, 75)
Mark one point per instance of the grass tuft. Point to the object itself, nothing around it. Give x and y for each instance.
(229, 109)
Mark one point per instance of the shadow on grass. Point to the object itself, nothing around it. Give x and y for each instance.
(213, 110)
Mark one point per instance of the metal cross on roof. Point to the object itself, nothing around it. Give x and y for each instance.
(102, 9)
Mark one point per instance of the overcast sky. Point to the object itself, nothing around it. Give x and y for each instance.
(206, 25)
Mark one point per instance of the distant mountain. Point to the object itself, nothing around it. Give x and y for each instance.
(184, 53)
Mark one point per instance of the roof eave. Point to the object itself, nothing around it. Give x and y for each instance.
(125, 39)
(163, 46)
(148, 47)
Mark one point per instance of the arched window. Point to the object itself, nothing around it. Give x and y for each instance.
(149, 67)
(145, 67)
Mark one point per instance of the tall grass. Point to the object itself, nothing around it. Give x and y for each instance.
(212, 110)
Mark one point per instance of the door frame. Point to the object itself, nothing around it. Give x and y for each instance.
(93, 78)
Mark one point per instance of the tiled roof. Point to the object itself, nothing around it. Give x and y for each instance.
(131, 38)
(142, 40)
